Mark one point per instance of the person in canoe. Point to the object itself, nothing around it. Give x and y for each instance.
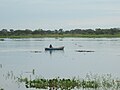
(50, 46)
(54, 48)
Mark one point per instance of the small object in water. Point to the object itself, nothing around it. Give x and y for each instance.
(36, 51)
(1, 39)
(83, 51)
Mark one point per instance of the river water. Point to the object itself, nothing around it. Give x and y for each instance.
(21, 56)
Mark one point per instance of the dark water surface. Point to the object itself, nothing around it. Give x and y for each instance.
(19, 57)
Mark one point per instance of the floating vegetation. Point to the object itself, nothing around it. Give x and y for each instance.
(1, 39)
(104, 82)
(60, 39)
(36, 51)
(90, 82)
(84, 51)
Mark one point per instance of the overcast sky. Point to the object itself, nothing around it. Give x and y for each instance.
(55, 14)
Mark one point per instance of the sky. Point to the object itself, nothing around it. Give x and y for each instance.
(56, 14)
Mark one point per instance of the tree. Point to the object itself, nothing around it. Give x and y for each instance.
(60, 31)
(56, 31)
(4, 32)
(27, 31)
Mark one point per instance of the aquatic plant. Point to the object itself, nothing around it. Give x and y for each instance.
(90, 82)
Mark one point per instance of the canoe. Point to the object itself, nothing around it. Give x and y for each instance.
(58, 48)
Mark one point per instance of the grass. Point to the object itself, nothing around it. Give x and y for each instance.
(64, 35)
(89, 82)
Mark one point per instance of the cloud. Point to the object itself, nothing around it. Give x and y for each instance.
(101, 22)
(59, 13)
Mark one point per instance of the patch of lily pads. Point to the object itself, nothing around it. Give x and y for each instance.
(104, 82)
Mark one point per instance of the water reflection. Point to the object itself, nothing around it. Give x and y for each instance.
(0, 65)
(36, 51)
(54, 51)
(32, 72)
(10, 75)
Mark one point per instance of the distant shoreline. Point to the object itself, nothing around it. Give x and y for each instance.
(64, 36)
(79, 33)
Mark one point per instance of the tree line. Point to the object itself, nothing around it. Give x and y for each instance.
(98, 31)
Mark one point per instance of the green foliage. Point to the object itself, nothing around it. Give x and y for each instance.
(104, 82)
(112, 32)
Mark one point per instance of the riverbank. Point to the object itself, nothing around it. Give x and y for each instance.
(64, 35)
